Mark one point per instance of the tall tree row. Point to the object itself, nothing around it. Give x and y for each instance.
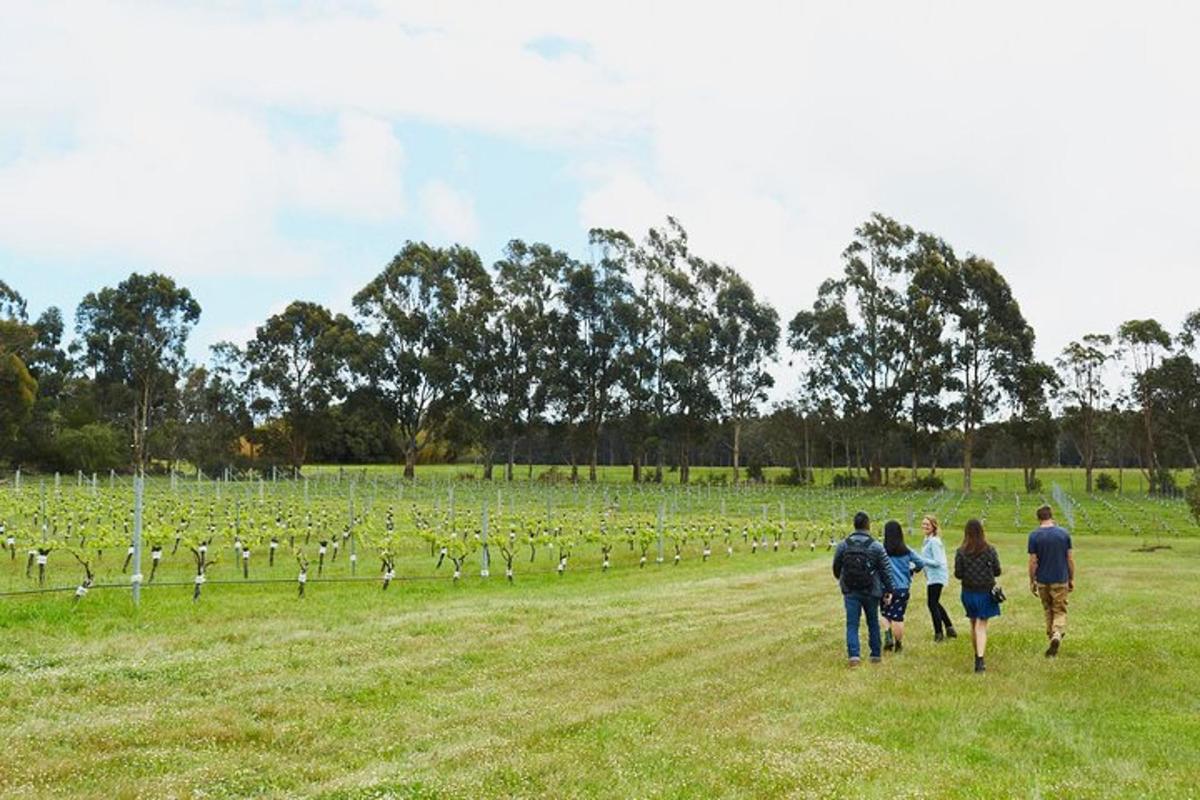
(644, 353)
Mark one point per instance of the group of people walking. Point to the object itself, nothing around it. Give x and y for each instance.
(876, 579)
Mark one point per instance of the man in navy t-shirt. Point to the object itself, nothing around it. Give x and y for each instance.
(1051, 574)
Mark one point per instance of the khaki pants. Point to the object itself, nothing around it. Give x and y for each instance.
(1054, 603)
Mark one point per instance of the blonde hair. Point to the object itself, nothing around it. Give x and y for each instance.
(932, 520)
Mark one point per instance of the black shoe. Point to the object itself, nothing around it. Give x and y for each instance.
(899, 646)
(875, 659)
(1052, 650)
(888, 642)
(939, 637)
(979, 667)
(950, 634)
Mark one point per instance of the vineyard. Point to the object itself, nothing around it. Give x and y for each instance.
(369, 528)
(353, 635)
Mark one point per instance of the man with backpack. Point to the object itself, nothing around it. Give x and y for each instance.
(865, 577)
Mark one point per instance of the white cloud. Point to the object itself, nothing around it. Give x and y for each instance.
(1056, 139)
(449, 212)
(360, 178)
(194, 187)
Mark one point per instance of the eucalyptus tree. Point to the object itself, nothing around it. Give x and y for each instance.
(856, 336)
(12, 304)
(665, 287)
(1189, 336)
(637, 370)
(1174, 390)
(595, 299)
(423, 314)
(745, 342)
(1173, 387)
(929, 375)
(1186, 408)
(791, 427)
(1085, 393)
(214, 411)
(511, 383)
(1031, 426)
(18, 388)
(690, 392)
(991, 343)
(134, 334)
(53, 370)
(1144, 343)
(296, 366)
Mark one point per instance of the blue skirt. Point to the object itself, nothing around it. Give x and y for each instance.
(895, 609)
(980, 605)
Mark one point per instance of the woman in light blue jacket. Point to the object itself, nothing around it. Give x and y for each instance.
(904, 563)
(937, 575)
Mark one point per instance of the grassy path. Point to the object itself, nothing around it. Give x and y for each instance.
(725, 679)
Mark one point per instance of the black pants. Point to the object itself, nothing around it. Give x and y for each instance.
(933, 595)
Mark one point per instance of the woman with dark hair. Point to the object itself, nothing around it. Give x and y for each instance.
(976, 565)
(904, 563)
(937, 575)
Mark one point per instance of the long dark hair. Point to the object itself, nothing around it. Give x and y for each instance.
(974, 541)
(893, 539)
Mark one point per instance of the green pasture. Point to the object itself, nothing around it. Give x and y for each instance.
(722, 676)
(1132, 481)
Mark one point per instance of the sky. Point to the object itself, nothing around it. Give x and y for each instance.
(262, 152)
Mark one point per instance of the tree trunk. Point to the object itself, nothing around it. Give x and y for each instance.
(683, 462)
(1191, 451)
(968, 445)
(512, 456)
(595, 455)
(410, 459)
(1151, 455)
(808, 476)
(297, 447)
(637, 467)
(737, 450)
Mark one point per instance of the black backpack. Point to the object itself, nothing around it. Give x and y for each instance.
(857, 572)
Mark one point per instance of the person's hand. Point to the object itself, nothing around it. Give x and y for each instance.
(1033, 587)
(1071, 585)
(887, 598)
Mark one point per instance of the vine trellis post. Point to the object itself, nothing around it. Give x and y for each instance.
(483, 536)
(136, 580)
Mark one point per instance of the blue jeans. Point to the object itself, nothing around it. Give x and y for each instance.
(862, 604)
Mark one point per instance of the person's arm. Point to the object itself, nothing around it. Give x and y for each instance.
(995, 562)
(1070, 570)
(958, 567)
(917, 562)
(837, 560)
(1033, 572)
(939, 554)
(884, 567)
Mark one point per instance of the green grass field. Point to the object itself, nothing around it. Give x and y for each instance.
(717, 678)
(1007, 480)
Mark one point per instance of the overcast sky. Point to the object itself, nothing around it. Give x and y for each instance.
(264, 152)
